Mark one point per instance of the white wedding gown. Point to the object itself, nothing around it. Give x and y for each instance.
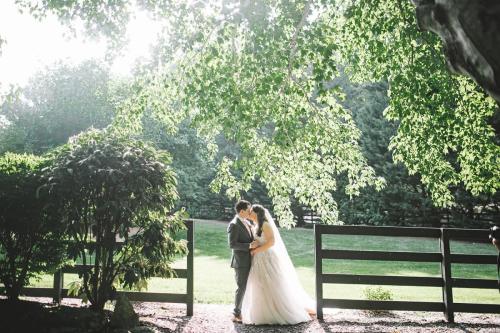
(273, 294)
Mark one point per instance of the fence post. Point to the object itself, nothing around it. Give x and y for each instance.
(190, 277)
(446, 275)
(58, 285)
(318, 263)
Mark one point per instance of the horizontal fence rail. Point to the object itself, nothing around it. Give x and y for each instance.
(57, 292)
(445, 258)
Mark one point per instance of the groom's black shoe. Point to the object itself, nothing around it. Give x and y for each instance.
(236, 319)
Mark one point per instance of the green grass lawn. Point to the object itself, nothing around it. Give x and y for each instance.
(214, 279)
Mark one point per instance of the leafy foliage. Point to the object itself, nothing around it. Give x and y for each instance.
(108, 187)
(377, 294)
(265, 64)
(255, 71)
(31, 240)
(242, 80)
(404, 200)
(194, 169)
(58, 103)
(443, 130)
(64, 100)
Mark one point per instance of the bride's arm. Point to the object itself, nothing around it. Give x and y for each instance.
(269, 236)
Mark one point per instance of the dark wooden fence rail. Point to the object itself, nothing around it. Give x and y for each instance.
(444, 257)
(58, 292)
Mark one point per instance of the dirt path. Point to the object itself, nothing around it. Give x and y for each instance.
(216, 318)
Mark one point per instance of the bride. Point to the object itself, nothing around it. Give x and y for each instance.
(273, 293)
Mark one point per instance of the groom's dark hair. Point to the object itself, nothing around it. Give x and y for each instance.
(241, 205)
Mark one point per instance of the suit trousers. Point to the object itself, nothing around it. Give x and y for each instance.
(241, 275)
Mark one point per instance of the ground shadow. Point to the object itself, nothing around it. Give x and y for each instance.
(176, 324)
(161, 317)
(388, 325)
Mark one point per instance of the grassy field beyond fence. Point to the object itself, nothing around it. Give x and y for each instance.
(214, 279)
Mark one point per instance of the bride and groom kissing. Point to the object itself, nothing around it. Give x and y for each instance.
(268, 289)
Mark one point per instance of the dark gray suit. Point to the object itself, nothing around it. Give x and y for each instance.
(239, 240)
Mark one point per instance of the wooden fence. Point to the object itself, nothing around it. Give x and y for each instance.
(57, 292)
(444, 257)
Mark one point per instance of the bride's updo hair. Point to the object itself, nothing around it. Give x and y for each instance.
(261, 217)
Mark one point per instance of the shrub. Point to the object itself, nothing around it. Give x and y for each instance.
(108, 186)
(31, 239)
(377, 294)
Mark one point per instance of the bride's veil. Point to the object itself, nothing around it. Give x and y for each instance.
(286, 263)
(279, 246)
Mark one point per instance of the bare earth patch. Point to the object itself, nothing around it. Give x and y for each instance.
(213, 318)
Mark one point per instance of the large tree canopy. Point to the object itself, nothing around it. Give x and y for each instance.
(443, 131)
(57, 103)
(255, 71)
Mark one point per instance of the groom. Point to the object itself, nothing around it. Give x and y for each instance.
(241, 241)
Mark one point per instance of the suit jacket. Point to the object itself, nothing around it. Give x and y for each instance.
(239, 241)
